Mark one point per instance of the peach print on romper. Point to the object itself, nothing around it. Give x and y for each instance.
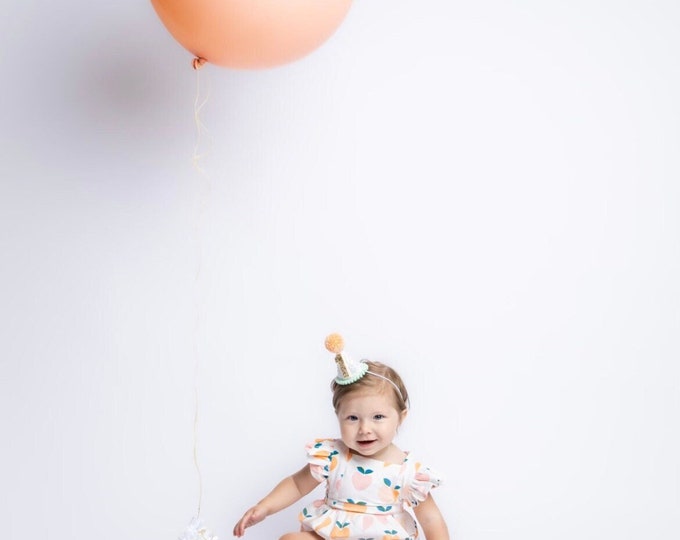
(366, 499)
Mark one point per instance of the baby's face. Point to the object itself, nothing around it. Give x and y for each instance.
(368, 424)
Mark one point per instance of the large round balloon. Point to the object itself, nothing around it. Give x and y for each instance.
(251, 33)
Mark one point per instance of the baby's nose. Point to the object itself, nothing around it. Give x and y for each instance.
(365, 427)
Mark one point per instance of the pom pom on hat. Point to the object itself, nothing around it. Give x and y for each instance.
(334, 343)
(349, 371)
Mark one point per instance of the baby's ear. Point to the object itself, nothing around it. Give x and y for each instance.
(402, 415)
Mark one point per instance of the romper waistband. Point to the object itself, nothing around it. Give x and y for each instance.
(364, 508)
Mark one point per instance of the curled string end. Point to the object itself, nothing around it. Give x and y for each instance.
(198, 62)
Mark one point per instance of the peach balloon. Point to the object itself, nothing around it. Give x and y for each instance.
(251, 33)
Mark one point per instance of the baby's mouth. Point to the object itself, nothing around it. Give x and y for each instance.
(366, 443)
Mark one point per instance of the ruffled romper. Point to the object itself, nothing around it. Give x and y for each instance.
(366, 499)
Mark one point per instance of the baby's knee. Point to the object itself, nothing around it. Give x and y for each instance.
(303, 535)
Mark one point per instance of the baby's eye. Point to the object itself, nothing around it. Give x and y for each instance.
(379, 417)
(352, 418)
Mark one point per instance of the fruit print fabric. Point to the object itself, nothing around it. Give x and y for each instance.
(366, 499)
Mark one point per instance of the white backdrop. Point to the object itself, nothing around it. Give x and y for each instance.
(484, 194)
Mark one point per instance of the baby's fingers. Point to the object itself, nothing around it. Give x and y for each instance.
(251, 517)
(240, 527)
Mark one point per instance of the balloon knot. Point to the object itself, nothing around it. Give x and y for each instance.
(198, 62)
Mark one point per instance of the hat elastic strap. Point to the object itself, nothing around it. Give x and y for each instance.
(388, 380)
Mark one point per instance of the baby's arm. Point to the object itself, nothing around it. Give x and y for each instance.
(431, 520)
(290, 489)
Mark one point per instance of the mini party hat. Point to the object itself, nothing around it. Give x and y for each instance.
(349, 370)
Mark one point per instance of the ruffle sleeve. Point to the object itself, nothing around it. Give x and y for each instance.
(419, 481)
(322, 457)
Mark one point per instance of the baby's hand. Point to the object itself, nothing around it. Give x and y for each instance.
(251, 517)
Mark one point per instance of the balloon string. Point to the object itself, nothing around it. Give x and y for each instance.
(202, 197)
(198, 469)
(200, 127)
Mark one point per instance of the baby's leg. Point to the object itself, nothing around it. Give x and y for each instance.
(302, 535)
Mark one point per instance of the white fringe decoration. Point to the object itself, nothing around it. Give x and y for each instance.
(196, 531)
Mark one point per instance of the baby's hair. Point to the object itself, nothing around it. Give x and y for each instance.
(378, 383)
